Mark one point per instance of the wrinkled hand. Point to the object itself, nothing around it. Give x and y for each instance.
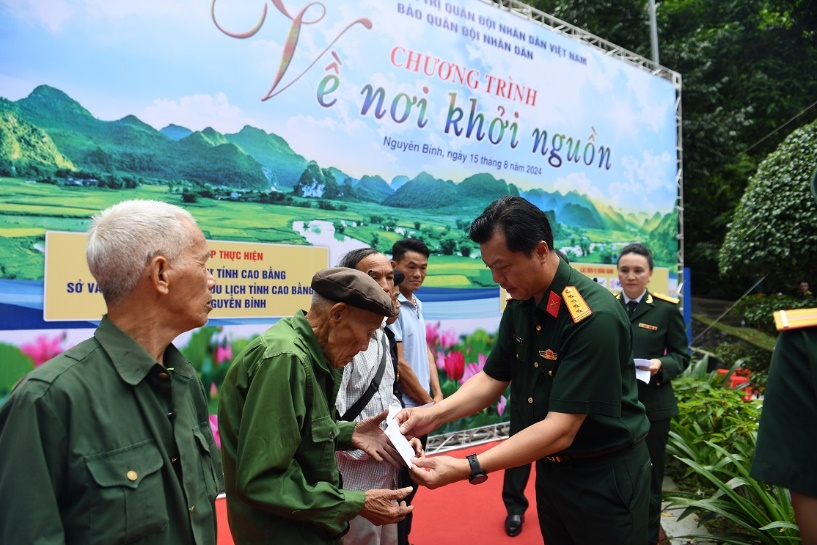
(415, 422)
(369, 437)
(384, 506)
(438, 471)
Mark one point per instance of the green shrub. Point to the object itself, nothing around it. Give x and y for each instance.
(757, 311)
(712, 442)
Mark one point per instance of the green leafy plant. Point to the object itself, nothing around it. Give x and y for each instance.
(757, 513)
(712, 442)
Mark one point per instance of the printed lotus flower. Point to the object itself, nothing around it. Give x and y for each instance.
(447, 339)
(440, 360)
(214, 429)
(43, 348)
(500, 405)
(431, 334)
(224, 353)
(455, 365)
(473, 368)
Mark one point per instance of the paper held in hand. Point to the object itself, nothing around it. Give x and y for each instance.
(399, 441)
(642, 370)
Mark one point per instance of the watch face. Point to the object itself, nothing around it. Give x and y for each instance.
(478, 479)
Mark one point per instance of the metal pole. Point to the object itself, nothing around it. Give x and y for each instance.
(653, 33)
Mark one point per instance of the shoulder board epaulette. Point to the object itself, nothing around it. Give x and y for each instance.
(576, 304)
(795, 319)
(666, 298)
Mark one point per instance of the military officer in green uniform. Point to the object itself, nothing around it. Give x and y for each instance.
(786, 439)
(565, 346)
(660, 341)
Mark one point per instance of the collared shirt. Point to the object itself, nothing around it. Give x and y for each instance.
(280, 472)
(637, 299)
(359, 470)
(573, 367)
(91, 456)
(410, 329)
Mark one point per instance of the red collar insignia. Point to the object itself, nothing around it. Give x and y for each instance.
(554, 302)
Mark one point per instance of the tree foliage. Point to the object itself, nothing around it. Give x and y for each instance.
(775, 227)
(747, 68)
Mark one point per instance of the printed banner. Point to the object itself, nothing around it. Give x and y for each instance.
(252, 280)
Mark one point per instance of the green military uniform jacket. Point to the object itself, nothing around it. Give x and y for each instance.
(277, 421)
(575, 363)
(658, 332)
(786, 439)
(90, 455)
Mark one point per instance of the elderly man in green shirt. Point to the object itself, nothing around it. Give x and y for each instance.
(110, 441)
(278, 421)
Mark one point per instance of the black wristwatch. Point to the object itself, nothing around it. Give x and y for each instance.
(477, 475)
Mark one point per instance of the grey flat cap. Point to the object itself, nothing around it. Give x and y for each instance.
(355, 288)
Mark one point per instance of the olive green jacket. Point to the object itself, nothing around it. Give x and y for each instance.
(277, 421)
(573, 364)
(658, 332)
(90, 456)
(786, 441)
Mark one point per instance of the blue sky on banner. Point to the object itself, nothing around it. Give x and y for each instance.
(168, 62)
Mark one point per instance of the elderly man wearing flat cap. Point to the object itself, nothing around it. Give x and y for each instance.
(279, 428)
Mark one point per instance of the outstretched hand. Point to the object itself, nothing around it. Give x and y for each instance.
(416, 421)
(369, 437)
(385, 506)
(438, 471)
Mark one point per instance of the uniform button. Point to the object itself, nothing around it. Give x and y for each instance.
(536, 364)
(530, 400)
(174, 459)
(163, 375)
(331, 435)
(192, 508)
(550, 373)
(132, 475)
(538, 328)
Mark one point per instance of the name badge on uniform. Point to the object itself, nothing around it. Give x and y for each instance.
(648, 326)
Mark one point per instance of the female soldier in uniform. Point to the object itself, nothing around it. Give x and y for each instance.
(658, 336)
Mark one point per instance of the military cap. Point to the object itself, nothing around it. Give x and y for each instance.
(355, 288)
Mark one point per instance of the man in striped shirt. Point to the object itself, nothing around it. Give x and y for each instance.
(359, 470)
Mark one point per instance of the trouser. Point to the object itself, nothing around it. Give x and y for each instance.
(597, 500)
(404, 480)
(363, 532)
(657, 446)
(513, 489)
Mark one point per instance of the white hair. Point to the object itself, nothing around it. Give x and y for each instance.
(122, 240)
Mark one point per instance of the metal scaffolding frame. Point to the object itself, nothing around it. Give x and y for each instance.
(529, 13)
(450, 441)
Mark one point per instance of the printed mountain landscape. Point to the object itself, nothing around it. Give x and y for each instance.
(49, 131)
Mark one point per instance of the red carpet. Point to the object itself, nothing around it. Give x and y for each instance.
(462, 513)
(459, 513)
